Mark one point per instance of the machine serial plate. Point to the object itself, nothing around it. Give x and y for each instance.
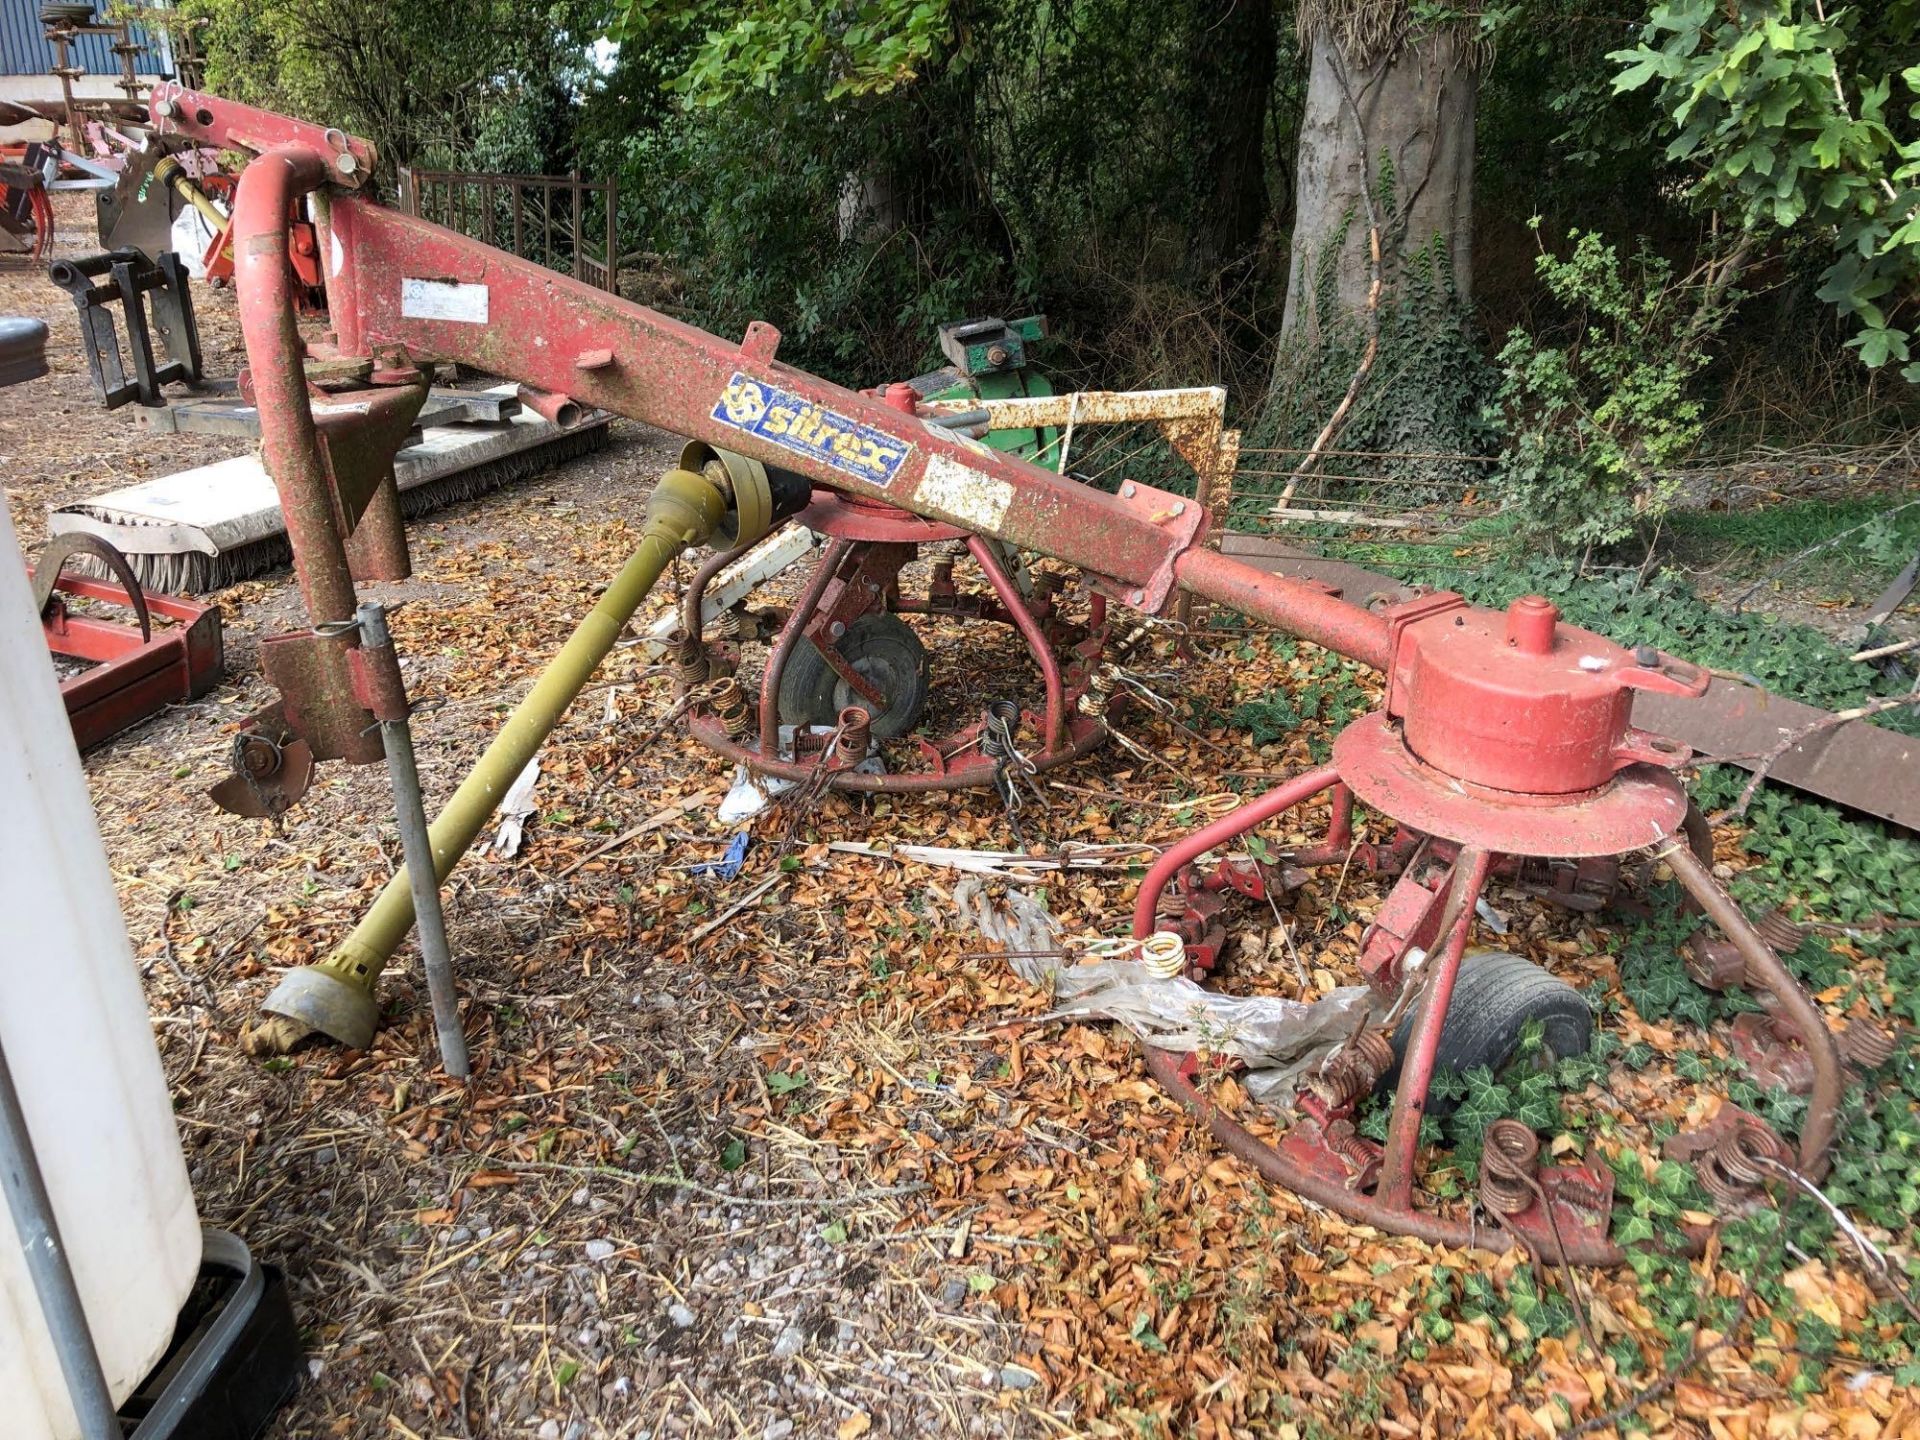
(797, 424)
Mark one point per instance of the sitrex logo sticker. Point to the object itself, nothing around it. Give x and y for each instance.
(811, 430)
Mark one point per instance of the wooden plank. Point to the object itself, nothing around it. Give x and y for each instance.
(1863, 766)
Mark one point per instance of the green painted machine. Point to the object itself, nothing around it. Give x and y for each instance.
(987, 360)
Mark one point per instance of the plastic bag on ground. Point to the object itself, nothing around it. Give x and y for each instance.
(1278, 1040)
(1016, 920)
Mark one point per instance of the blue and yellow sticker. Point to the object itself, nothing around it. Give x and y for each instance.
(811, 430)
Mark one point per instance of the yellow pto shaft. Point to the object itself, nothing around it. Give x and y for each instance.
(336, 996)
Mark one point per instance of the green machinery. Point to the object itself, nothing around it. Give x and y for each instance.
(987, 360)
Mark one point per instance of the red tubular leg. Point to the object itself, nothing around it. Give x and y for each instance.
(1291, 605)
(1416, 1070)
(1340, 831)
(1766, 968)
(789, 637)
(1029, 628)
(263, 277)
(1339, 842)
(692, 615)
(560, 410)
(1236, 822)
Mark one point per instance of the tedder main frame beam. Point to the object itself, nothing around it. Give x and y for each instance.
(397, 282)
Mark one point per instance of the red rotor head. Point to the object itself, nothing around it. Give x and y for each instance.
(1519, 702)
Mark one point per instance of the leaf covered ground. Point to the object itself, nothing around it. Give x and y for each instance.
(824, 1172)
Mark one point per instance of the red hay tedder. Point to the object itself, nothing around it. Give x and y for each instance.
(1504, 744)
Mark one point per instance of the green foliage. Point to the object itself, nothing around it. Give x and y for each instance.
(1597, 420)
(785, 1082)
(1651, 971)
(1844, 870)
(1874, 539)
(865, 48)
(857, 200)
(748, 196)
(449, 83)
(1327, 696)
(1791, 119)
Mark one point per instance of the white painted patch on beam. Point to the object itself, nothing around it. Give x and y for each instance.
(974, 499)
(443, 300)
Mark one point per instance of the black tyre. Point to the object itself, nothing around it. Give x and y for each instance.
(884, 650)
(1494, 996)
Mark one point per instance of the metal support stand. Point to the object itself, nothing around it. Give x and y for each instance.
(46, 1258)
(138, 285)
(417, 846)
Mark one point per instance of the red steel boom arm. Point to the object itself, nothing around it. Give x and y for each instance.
(396, 282)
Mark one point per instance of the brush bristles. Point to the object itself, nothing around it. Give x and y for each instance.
(192, 573)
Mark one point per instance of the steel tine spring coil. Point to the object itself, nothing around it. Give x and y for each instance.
(1349, 1075)
(690, 667)
(730, 707)
(856, 734)
(1509, 1158)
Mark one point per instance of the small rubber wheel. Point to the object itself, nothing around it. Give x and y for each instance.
(883, 650)
(1494, 996)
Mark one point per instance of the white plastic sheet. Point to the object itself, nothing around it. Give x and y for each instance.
(1277, 1039)
(516, 808)
(1016, 920)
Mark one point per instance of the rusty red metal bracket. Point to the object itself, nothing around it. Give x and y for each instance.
(141, 670)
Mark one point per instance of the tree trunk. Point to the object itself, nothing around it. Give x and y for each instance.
(872, 206)
(1233, 48)
(1402, 124)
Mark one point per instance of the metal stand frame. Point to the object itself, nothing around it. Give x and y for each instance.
(858, 574)
(141, 670)
(138, 286)
(1412, 954)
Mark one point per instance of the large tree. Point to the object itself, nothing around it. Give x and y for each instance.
(1386, 149)
(1382, 255)
(1232, 52)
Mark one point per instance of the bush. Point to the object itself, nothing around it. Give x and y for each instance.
(1598, 420)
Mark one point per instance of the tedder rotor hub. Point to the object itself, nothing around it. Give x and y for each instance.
(1506, 736)
(844, 652)
(1518, 701)
(1511, 731)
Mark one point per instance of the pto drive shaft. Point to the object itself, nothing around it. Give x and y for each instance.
(336, 997)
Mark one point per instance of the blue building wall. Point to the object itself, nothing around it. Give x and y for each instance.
(24, 49)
